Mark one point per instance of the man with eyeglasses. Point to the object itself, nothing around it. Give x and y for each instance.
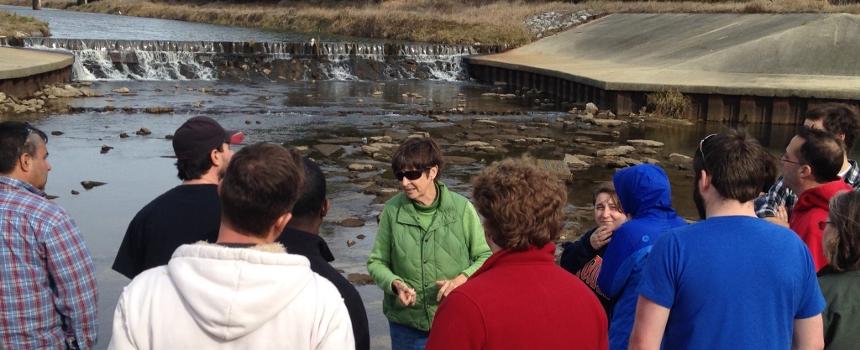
(836, 118)
(810, 166)
(429, 241)
(47, 281)
(732, 280)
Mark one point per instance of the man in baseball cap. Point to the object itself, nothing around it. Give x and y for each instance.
(189, 212)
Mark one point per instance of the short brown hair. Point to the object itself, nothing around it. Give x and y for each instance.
(843, 251)
(738, 165)
(823, 152)
(262, 182)
(839, 118)
(609, 188)
(521, 204)
(419, 153)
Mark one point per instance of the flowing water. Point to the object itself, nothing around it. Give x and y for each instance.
(339, 89)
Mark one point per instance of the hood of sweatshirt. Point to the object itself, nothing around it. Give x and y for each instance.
(643, 189)
(231, 291)
(819, 196)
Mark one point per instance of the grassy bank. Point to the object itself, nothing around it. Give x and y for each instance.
(14, 25)
(441, 21)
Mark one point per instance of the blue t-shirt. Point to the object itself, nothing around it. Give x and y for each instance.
(732, 282)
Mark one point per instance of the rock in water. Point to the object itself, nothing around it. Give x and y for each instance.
(360, 279)
(90, 184)
(352, 222)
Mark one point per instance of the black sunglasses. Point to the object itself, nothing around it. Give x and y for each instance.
(409, 174)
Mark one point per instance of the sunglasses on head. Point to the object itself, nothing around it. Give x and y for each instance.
(701, 151)
(409, 174)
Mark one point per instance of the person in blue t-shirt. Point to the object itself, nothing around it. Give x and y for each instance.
(646, 197)
(732, 281)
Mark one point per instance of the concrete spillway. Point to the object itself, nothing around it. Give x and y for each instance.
(758, 68)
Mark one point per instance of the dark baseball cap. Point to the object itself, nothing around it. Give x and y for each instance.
(200, 135)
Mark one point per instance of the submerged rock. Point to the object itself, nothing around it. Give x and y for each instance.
(329, 150)
(351, 222)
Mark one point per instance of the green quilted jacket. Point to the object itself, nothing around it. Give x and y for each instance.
(453, 244)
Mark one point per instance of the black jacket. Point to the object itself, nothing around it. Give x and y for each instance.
(316, 250)
(580, 254)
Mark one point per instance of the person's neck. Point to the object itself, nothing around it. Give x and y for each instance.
(429, 198)
(209, 178)
(227, 234)
(845, 165)
(730, 207)
(806, 186)
(309, 225)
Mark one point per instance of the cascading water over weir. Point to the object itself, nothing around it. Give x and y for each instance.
(209, 60)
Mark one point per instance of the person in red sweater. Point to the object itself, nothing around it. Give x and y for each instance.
(519, 298)
(810, 166)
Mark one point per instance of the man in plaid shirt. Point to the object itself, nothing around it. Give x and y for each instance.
(837, 118)
(47, 284)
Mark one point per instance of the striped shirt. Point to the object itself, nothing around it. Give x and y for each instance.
(47, 280)
(779, 194)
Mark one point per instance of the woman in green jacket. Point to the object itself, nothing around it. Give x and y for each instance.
(430, 240)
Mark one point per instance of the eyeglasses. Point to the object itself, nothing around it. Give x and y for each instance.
(784, 159)
(823, 224)
(701, 151)
(23, 129)
(409, 174)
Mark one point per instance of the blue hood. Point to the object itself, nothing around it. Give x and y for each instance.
(643, 189)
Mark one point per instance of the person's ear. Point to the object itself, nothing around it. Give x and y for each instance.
(25, 162)
(325, 208)
(704, 182)
(216, 156)
(434, 170)
(280, 223)
(805, 170)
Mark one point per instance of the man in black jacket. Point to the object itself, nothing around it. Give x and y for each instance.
(301, 236)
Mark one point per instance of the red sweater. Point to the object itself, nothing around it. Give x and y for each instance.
(812, 208)
(520, 300)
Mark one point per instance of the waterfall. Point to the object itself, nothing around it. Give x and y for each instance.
(210, 60)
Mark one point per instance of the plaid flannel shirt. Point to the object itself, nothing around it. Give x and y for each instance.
(780, 194)
(47, 280)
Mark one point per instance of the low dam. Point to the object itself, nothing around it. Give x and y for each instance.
(745, 68)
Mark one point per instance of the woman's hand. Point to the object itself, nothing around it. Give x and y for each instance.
(405, 294)
(448, 286)
(600, 237)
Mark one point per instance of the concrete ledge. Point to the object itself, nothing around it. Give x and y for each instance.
(25, 71)
(20, 63)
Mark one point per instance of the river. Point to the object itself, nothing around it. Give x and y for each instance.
(297, 113)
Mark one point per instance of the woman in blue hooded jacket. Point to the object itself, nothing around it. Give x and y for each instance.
(646, 197)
